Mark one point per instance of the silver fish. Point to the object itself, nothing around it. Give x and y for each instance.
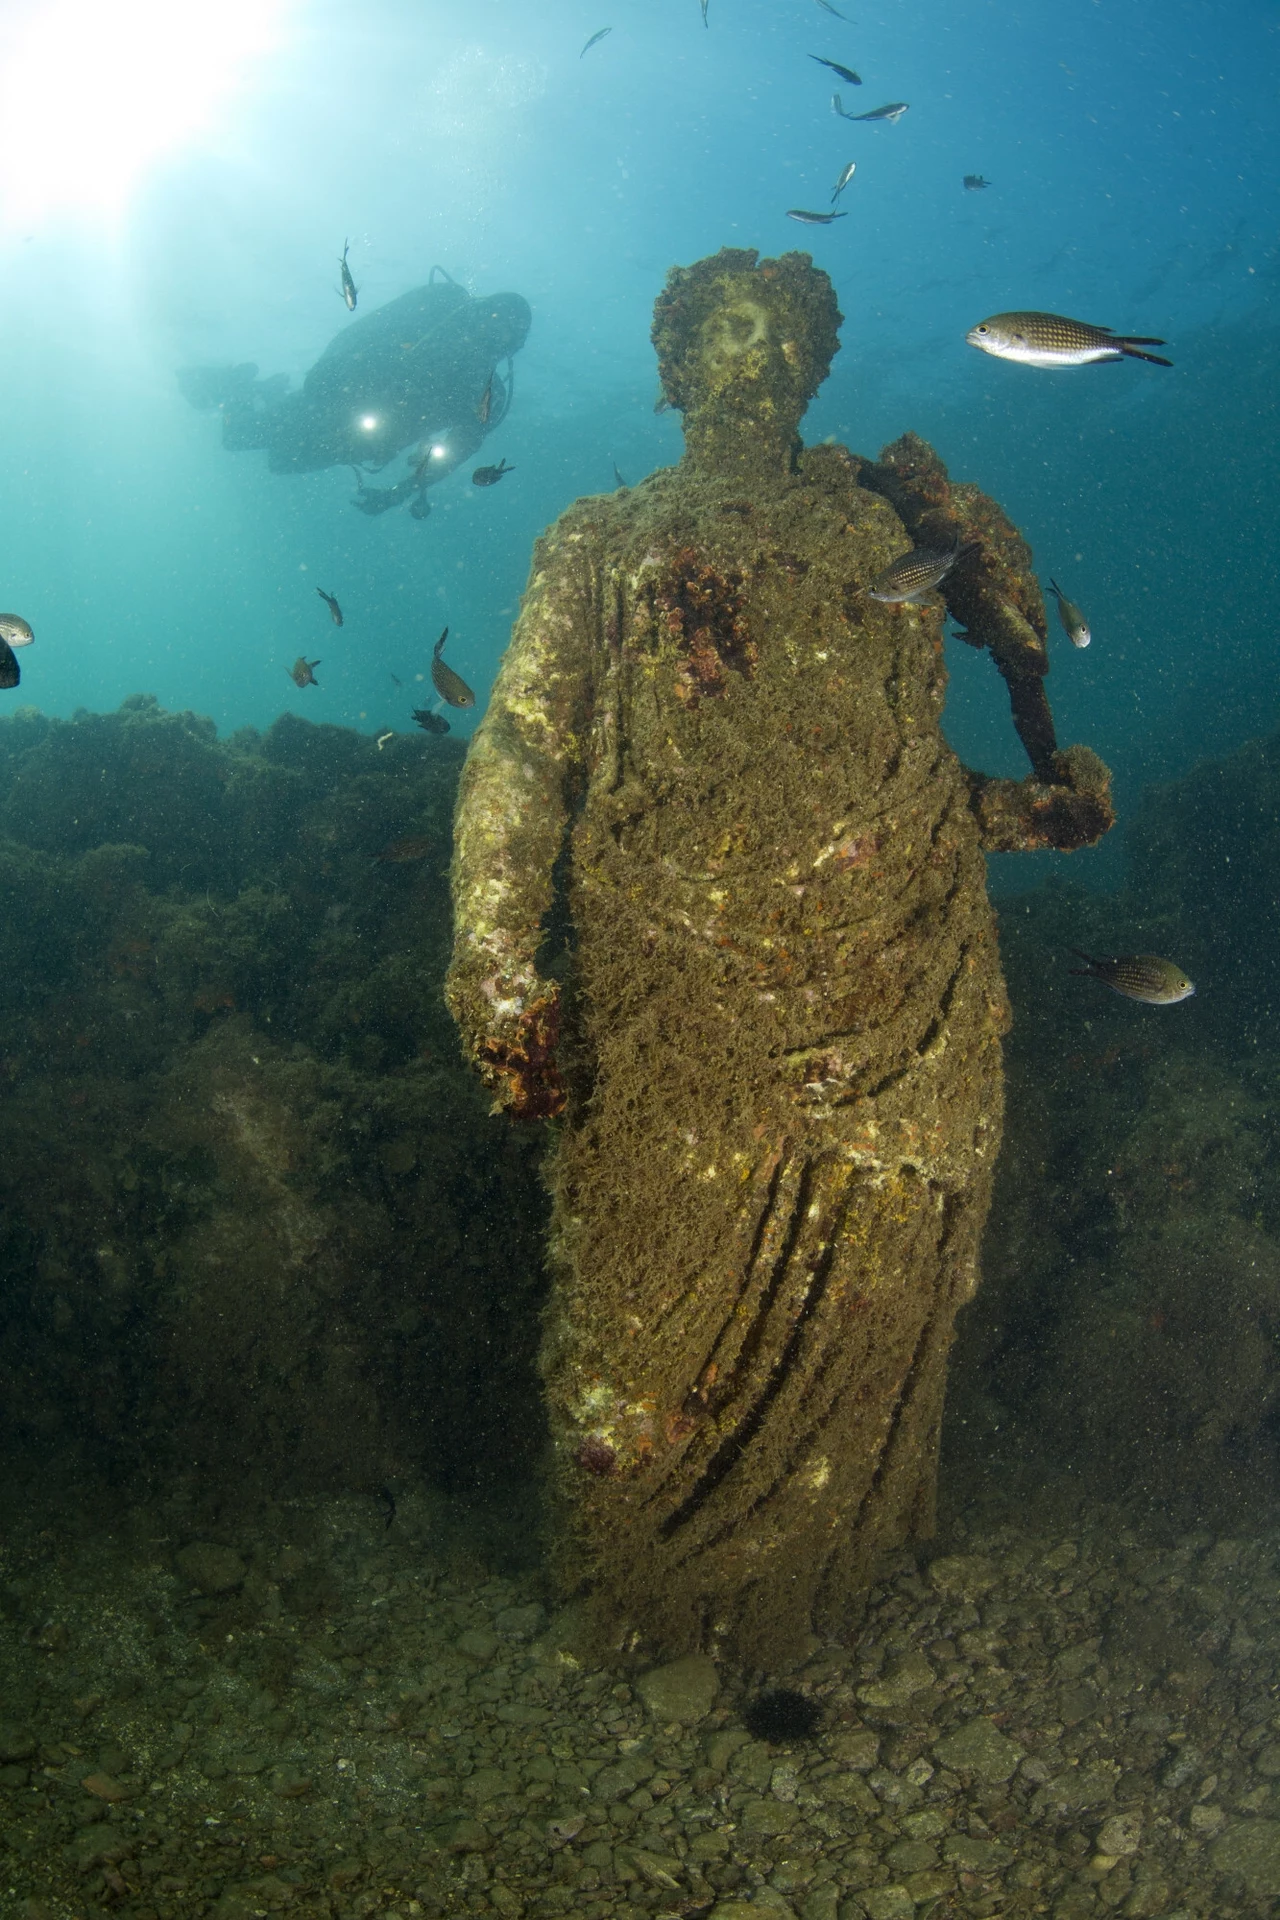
(845, 73)
(348, 288)
(846, 175)
(594, 40)
(15, 631)
(894, 111)
(1050, 340)
(1074, 624)
(1138, 976)
(813, 219)
(908, 578)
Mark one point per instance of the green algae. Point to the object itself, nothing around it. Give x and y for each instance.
(240, 1166)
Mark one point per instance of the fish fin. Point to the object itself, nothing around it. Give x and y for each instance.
(1086, 957)
(1055, 588)
(439, 644)
(1131, 352)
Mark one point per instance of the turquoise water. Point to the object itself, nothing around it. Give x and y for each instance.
(1130, 151)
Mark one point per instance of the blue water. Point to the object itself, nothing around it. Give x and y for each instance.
(1131, 151)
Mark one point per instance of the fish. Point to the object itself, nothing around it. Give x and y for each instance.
(618, 480)
(420, 508)
(430, 722)
(10, 671)
(846, 175)
(1074, 624)
(828, 8)
(704, 12)
(348, 288)
(894, 111)
(908, 578)
(400, 852)
(845, 73)
(595, 40)
(301, 672)
(1138, 976)
(485, 408)
(396, 682)
(808, 219)
(1050, 340)
(974, 181)
(490, 476)
(335, 611)
(15, 631)
(389, 1500)
(451, 687)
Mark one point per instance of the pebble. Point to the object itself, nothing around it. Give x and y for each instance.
(683, 1690)
(211, 1569)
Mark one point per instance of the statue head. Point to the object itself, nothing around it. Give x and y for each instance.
(743, 345)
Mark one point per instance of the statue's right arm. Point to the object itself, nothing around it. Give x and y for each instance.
(512, 816)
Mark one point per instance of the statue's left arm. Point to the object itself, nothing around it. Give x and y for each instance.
(1066, 800)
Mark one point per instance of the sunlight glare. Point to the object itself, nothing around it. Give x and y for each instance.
(92, 94)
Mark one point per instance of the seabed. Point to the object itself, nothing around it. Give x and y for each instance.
(275, 1631)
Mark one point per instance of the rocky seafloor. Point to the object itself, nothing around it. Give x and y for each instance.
(326, 1711)
(275, 1635)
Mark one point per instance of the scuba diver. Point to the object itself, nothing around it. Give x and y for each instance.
(419, 375)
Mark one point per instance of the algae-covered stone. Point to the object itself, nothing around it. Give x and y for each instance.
(1121, 1834)
(904, 1677)
(16, 1741)
(888, 1903)
(683, 1690)
(981, 1749)
(1251, 1849)
(966, 1575)
(211, 1568)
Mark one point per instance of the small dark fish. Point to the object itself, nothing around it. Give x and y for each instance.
(10, 672)
(828, 8)
(430, 722)
(845, 73)
(335, 611)
(704, 12)
(348, 287)
(1138, 976)
(908, 578)
(402, 852)
(389, 1501)
(808, 219)
(396, 682)
(15, 631)
(618, 480)
(490, 476)
(301, 672)
(846, 175)
(1050, 340)
(485, 408)
(449, 685)
(1074, 624)
(595, 40)
(420, 507)
(973, 182)
(894, 111)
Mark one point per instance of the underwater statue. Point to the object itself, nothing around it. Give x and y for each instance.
(420, 373)
(720, 905)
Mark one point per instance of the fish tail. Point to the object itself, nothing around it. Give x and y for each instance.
(1055, 588)
(1090, 964)
(1130, 344)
